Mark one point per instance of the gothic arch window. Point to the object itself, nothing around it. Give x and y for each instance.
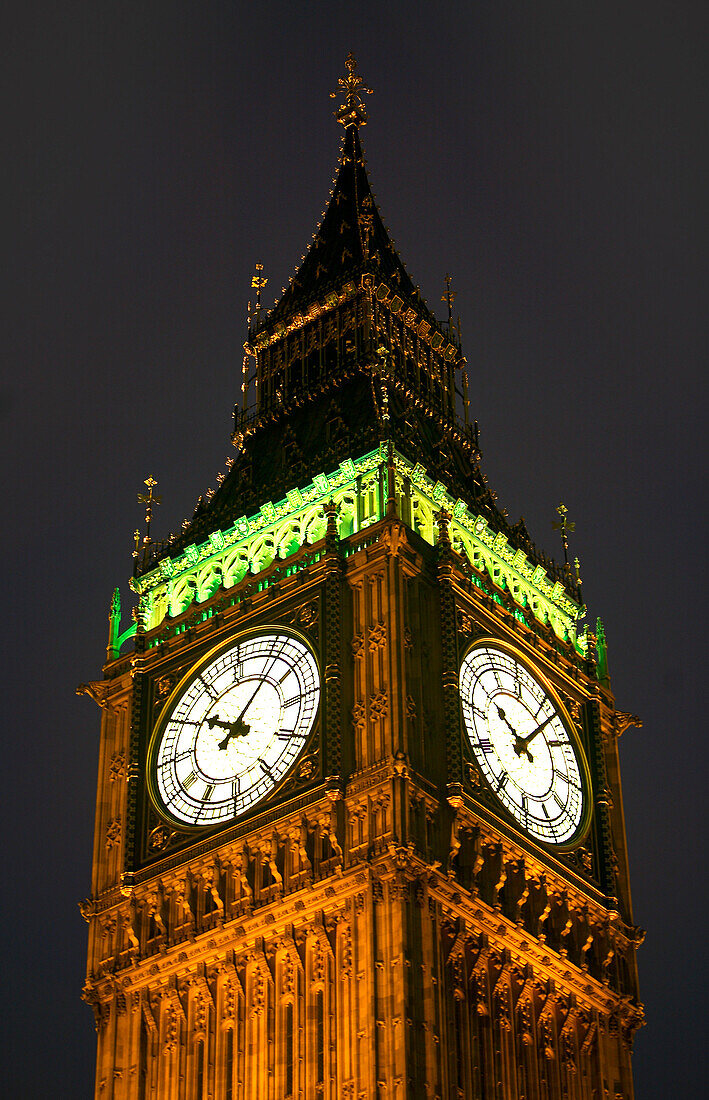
(262, 554)
(143, 1061)
(347, 513)
(288, 538)
(208, 582)
(319, 1039)
(316, 526)
(199, 1069)
(289, 1054)
(229, 1064)
(370, 494)
(182, 596)
(235, 568)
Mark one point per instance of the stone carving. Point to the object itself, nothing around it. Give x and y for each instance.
(159, 838)
(379, 705)
(117, 767)
(359, 719)
(113, 833)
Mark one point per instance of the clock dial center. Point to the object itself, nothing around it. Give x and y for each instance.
(533, 776)
(238, 728)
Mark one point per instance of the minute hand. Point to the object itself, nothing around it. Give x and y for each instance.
(233, 726)
(522, 743)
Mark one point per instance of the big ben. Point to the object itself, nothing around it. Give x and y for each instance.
(359, 826)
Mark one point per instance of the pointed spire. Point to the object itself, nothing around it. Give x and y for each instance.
(350, 239)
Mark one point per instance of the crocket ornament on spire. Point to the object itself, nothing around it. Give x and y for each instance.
(352, 112)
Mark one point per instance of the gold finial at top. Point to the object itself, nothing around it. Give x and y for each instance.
(566, 528)
(149, 500)
(352, 112)
(449, 297)
(258, 282)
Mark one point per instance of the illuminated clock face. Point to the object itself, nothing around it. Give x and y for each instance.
(236, 728)
(522, 745)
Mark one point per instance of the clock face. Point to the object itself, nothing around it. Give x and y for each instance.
(522, 744)
(235, 728)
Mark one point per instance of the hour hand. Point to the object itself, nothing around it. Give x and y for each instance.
(503, 718)
(237, 728)
(521, 746)
(215, 720)
(522, 743)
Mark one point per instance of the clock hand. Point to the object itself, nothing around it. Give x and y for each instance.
(236, 729)
(239, 727)
(522, 743)
(215, 720)
(503, 717)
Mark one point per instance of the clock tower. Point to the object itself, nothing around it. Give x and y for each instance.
(359, 826)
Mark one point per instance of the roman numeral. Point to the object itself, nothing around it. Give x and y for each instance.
(566, 778)
(207, 687)
(501, 781)
(187, 783)
(485, 745)
(266, 768)
(291, 702)
(208, 792)
(285, 675)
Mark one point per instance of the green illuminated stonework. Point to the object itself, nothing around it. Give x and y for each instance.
(358, 488)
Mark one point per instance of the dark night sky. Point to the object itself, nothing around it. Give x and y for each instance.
(548, 155)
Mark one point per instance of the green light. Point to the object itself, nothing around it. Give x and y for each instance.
(280, 529)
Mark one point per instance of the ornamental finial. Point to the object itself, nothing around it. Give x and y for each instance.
(449, 297)
(352, 112)
(566, 528)
(149, 500)
(258, 282)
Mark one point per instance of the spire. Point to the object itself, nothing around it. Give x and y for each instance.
(351, 237)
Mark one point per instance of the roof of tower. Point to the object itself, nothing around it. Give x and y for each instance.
(352, 237)
(348, 404)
